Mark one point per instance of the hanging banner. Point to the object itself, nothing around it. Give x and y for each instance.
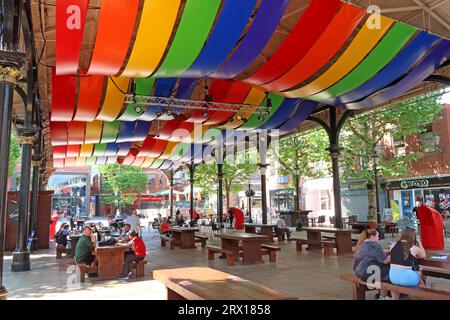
(70, 18)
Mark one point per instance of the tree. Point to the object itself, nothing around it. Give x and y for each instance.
(124, 182)
(14, 155)
(364, 135)
(297, 155)
(237, 171)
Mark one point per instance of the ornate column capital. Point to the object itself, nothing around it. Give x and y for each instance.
(26, 139)
(11, 64)
(335, 152)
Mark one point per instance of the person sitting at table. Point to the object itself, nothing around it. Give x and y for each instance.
(281, 228)
(83, 251)
(179, 221)
(404, 261)
(61, 235)
(138, 252)
(230, 217)
(164, 228)
(125, 233)
(370, 254)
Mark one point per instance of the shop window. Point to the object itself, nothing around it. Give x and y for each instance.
(430, 140)
(283, 179)
(151, 180)
(398, 144)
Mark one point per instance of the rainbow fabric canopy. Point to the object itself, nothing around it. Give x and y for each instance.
(336, 54)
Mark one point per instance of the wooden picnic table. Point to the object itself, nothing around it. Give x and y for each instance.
(202, 283)
(266, 230)
(184, 236)
(251, 245)
(439, 268)
(343, 238)
(110, 261)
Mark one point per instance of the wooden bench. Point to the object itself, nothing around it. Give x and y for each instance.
(228, 253)
(202, 239)
(60, 249)
(301, 242)
(165, 239)
(82, 269)
(138, 268)
(271, 251)
(360, 287)
(328, 247)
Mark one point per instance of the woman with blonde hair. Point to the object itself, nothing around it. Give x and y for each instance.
(370, 257)
(404, 261)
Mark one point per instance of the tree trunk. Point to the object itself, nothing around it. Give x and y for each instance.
(372, 216)
(297, 192)
(227, 195)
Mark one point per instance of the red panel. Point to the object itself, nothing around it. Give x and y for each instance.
(166, 132)
(70, 18)
(69, 162)
(75, 132)
(73, 151)
(63, 97)
(236, 94)
(58, 133)
(152, 147)
(89, 97)
(115, 28)
(299, 41)
(129, 159)
(218, 90)
(59, 152)
(325, 48)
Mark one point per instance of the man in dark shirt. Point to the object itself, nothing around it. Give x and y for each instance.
(83, 252)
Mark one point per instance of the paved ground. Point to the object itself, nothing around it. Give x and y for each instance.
(306, 274)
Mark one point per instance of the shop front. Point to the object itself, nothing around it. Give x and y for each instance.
(410, 193)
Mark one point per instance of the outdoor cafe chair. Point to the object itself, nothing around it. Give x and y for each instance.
(321, 220)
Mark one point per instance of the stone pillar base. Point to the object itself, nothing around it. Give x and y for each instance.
(3, 293)
(20, 261)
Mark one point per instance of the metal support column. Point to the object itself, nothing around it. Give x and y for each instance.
(171, 194)
(36, 163)
(333, 129)
(191, 180)
(21, 255)
(11, 63)
(220, 193)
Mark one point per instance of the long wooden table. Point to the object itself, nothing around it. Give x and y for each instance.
(266, 229)
(436, 267)
(343, 238)
(184, 237)
(202, 283)
(251, 245)
(110, 261)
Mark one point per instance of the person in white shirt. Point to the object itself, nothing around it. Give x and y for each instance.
(134, 222)
(281, 228)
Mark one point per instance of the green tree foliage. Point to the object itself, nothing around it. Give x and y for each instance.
(123, 182)
(362, 135)
(237, 171)
(299, 155)
(14, 155)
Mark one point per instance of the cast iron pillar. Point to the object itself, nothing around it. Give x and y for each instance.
(11, 63)
(36, 163)
(220, 193)
(171, 194)
(263, 145)
(191, 167)
(21, 256)
(333, 129)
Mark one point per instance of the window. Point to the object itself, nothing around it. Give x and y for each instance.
(324, 200)
(151, 179)
(398, 144)
(283, 179)
(430, 140)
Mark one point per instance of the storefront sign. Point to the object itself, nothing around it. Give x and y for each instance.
(418, 183)
(150, 199)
